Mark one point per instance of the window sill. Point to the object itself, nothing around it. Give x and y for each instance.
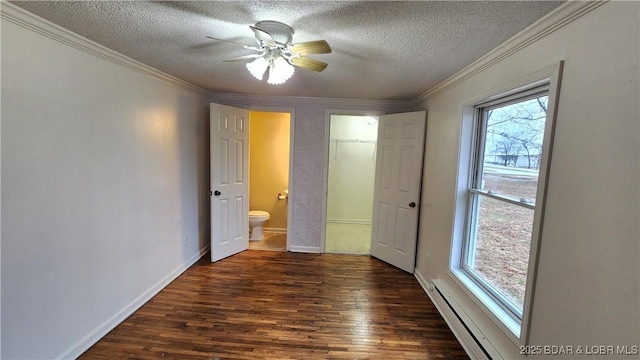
(509, 324)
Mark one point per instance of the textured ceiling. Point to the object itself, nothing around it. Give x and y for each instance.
(381, 50)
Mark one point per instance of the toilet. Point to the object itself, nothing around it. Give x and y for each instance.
(256, 221)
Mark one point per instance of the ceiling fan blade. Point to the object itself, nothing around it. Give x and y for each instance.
(308, 63)
(229, 41)
(245, 57)
(264, 37)
(311, 47)
(235, 42)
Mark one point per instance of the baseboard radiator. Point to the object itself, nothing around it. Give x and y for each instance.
(470, 337)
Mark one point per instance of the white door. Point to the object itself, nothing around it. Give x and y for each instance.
(396, 198)
(229, 181)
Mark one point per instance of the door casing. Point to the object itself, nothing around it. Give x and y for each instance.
(325, 170)
(291, 196)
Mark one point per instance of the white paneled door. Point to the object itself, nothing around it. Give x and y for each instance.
(396, 197)
(229, 181)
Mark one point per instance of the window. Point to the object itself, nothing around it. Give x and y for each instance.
(502, 196)
(506, 138)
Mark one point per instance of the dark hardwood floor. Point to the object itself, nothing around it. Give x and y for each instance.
(279, 305)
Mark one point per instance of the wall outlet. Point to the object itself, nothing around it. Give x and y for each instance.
(185, 240)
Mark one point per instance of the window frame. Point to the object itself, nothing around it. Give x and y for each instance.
(475, 193)
(516, 329)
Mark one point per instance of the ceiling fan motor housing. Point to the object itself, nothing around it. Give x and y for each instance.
(281, 33)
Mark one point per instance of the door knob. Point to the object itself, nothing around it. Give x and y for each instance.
(412, 204)
(217, 193)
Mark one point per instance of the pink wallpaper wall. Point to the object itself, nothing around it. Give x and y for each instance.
(308, 156)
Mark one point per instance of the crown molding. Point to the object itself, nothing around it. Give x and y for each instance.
(364, 103)
(29, 21)
(560, 17)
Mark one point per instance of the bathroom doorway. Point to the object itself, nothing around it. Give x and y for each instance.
(270, 140)
(352, 146)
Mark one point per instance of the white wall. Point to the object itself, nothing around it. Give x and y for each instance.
(306, 188)
(351, 169)
(104, 191)
(104, 174)
(587, 291)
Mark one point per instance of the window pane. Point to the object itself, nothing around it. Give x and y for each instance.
(513, 146)
(521, 187)
(503, 240)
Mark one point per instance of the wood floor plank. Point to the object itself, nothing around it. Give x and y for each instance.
(279, 305)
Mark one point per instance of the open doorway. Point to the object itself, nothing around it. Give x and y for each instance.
(269, 175)
(350, 183)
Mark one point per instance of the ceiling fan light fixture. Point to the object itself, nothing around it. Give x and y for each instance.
(278, 53)
(258, 67)
(280, 71)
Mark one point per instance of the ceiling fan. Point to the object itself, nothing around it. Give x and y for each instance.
(276, 52)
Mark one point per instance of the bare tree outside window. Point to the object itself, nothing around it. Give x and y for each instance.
(516, 131)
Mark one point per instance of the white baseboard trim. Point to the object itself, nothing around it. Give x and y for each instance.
(103, 329)
(422, 281)
(304, 249)
(349, 221)
(276, 230)
(458, 328)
